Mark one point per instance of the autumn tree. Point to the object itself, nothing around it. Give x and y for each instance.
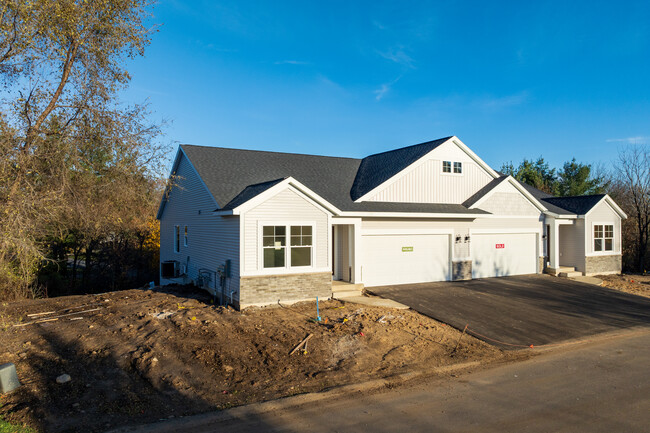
(79, 169)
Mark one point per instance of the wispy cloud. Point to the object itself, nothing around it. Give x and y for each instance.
(379, 25)
(501, 102)
(399, 56)
(629, 140)
(292, 62)
(385, 88)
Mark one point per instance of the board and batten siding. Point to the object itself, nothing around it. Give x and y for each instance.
(284, 208)
(602, 214)
(426, 183)
(211, 239)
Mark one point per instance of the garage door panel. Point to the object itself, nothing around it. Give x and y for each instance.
(405, 259)
(503, 254)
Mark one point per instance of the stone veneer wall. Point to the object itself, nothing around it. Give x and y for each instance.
(269, 289)
(461, 270)
(542, 262)
(603, 264)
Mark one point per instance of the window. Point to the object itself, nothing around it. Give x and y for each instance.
(301, 245)
(274, 241)
(446, 166)
(274, 246)
(603, 237)
(185, 237)
(458, 167)
(177, 239)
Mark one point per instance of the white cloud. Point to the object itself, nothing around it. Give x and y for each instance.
(384, 89)
(292, 62)
(399, 56)
(629, 140)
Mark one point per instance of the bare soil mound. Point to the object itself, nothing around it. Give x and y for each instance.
(634, 284)
(138, 356)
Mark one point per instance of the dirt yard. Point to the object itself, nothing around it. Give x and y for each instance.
(635, 284)
(138, 356)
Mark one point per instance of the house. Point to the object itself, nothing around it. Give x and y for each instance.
(259, 227)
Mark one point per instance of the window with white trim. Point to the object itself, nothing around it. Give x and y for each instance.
(177, 239)
(446, 166)
(458, 167)
(603, 237)
(276, 239)
(185, 237)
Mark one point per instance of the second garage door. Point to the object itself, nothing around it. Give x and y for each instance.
(502, 254)
(405, 259)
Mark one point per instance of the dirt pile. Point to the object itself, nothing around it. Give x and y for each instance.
(141, 355)
(634, 284)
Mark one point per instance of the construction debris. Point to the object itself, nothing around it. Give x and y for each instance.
(301, 344)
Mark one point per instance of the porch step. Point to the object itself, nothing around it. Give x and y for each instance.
(560, 270)
(571, 274)
(343, 289)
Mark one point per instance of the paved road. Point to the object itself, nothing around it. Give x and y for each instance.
(601, 386)
(524, 310)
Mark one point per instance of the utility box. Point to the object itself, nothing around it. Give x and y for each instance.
(170, 269)
(8, 378)
(226, 269)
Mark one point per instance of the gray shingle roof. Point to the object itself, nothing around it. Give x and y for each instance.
(486, 189)
(578, 205)
(376, 169)
(234, 176)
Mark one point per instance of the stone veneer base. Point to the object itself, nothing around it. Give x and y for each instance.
(461, 270)
(595, 265)
(271, 289)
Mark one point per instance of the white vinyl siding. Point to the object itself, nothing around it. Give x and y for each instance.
(285, 208)
(214, 239)
(603, 214)
(427, 183)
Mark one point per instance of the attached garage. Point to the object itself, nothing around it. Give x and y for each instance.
(503, 254)
(405, 258)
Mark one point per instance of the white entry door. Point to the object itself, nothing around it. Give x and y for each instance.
(405, 259)
(502, 254)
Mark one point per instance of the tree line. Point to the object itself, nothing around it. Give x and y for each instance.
(80, 175)
(627, 182)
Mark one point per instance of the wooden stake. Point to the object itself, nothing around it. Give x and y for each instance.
(302, 343)
(461, 336)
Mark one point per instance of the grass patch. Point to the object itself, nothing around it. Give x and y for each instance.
(6, 427)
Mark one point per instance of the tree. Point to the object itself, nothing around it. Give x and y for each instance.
(534, 173)
(576, 179)
(632, 192)
(79, 170)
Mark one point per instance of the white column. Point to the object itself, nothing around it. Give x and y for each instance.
(554, 254)
(356, 252)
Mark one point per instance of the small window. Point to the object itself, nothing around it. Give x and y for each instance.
(185, 237)
(301, 242)
(446, 166)
(274, 239)
(177, 239)
(458, 167)
(603, 237)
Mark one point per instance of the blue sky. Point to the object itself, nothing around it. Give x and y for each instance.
(511, 79)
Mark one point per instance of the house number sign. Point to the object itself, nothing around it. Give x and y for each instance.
(499, 246)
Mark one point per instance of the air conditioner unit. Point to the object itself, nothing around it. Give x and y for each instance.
(170, 269)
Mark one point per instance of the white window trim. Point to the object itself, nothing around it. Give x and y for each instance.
(287, 268)
(592, 238)
(177, 239)
(451, 173)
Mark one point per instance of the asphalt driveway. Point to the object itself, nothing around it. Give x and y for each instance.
(515, 312)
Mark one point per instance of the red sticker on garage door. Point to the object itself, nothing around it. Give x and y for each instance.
(500, 246)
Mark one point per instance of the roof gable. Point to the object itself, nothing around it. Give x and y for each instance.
(578, 205)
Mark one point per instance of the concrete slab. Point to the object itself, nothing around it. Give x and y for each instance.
(588, 280)
(375, 301)
(515, 312)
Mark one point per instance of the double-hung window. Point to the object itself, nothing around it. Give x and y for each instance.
(458, 167)
(446, 166)
(287, 246)
(603, 237)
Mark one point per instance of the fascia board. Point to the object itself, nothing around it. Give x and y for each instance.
(410, 215)
(298, 187)
(519, 188)
(474, 156)
(610, 201)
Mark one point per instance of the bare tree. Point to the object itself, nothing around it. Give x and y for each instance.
(632, 191)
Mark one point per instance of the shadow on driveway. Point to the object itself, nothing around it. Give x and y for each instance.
(515, 312)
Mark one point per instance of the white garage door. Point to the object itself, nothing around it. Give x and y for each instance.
(498, 255)
(405, 259)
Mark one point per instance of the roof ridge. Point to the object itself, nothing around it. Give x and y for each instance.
(269, 151)
(410, 146)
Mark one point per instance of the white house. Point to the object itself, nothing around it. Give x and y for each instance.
(258, 227)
